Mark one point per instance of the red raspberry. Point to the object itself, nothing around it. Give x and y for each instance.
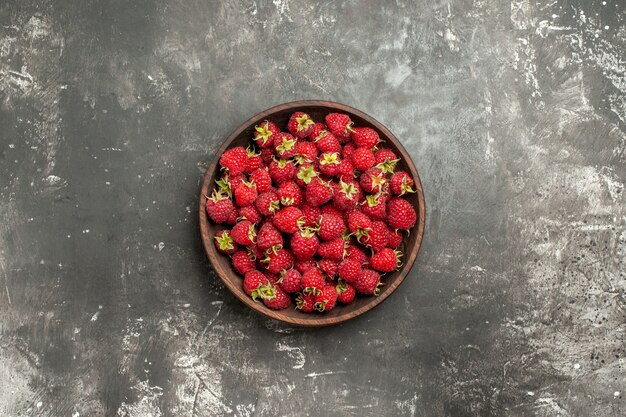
(267, 155)
(276, 299)
(328, 209)
(300, 124)
(400, 214)
(253, 162)
(368, 282)
(386, 260)
(326, 300)
(245, 194)
(359, 224)
(255, 284)
(305, 173)
(311, 215)
(278, 260)
(288, 219)
(306, 151)
(355, 253)
(373, 180)
(329, 163)
(345, 293)
(242, 262)
(401, 183)
(267, 203)
(346, 194)
(290, 194)
(268, 237)
(340, 124)
(305, 303)
(302, 266)
(264, 134)
(327, 142)
(304, 244)
(318, 192)
(331, 227)
(329, 267)
(364, 136)
(225, 243)
(285, 145)
(386, 160)
(281, 170)
(261, 178)
(377, 237)
(335, 249)
(395, 238)
(349, 270)
(243, 233)
(250, 213)
(312, 281)
(375, 207)
(362, 159)
(348, 150)
(346, 170)
(234, 160)
(221, 209)
(290, 281)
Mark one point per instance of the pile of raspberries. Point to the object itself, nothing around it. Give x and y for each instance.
(316, 215)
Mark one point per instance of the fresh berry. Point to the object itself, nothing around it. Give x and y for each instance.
(253, 162)
(305, 151)
(377, 237)
(335, 249)
(318, 192)
(281, 170)
(289, 281)
(304, 244)
(339, 124)
(400, 214)
(346, 170)
(276, 299)
(304, 174)
(288, 219)
(327, 142)
(329, 163)
(305, 303)
(359, 224)
(242, 262)
(311, 215)
(349, 270)
(225, 243)
(268, 237)
(276, 261)
(261, 178)
(243, 233)
(348, 150)
(245, 194)
(347, 194)
(375, 207)
(365, 136)
(285, 145)
(356, 253)
(326, 300)
(312, 281)
(255, 253)
(386, 160)
(255, 284)
(329, 267)
(264, 134)
(331, 227)
(401, 183)
(300, 124)
(267, 155)
(329, 209)
(226, 184)
(373, 180)
(290, 194)
(362, 159)
(234, 160)
(303, 266)
(345, 292)
(386, 260)
(395, 238)
(267, 203)
(250, 213)
(221, 209)
(368, 282)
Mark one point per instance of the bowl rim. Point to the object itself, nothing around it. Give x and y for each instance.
(315, 320)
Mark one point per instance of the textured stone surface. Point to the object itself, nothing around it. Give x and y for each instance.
(515, 114)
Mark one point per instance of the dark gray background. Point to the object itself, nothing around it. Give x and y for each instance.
(514, 112)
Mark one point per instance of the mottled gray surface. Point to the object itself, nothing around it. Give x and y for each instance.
(514, 112)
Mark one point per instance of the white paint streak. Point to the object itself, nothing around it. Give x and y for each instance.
(316, 374)
(294, 353)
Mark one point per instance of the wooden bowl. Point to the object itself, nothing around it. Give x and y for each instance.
(410, 246)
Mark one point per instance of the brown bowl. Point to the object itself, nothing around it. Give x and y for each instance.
(410, 246)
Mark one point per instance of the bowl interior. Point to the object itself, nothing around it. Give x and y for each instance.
(410, 245)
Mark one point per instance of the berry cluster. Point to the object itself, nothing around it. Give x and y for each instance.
(317, 214)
